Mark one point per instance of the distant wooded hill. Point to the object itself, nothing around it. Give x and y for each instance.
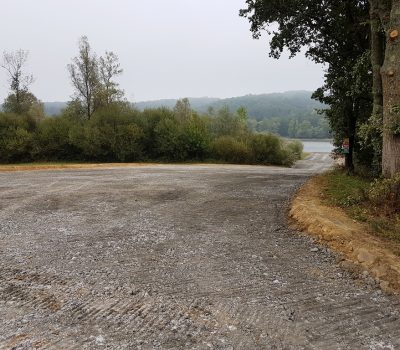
(290, 114)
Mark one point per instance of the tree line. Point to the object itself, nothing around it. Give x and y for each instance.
(289, 114)
(99, 124)
(358, 41)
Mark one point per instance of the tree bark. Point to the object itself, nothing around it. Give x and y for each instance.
(391, 95)
(377, 57)
(351, 133)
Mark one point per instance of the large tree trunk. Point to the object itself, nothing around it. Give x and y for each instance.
(378, 12)
(377, 57)
(391, 95)
(351, 132)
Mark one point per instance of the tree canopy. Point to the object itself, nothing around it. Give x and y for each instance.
(334, 33)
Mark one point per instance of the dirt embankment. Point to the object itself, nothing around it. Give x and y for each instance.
(331, 226)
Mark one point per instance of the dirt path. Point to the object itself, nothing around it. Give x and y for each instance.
(175, 257)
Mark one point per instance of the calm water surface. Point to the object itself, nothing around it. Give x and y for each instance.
(317, 146)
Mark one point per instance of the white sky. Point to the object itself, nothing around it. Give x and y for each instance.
(167, 48)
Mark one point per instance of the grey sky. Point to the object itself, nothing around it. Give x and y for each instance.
(168, 48)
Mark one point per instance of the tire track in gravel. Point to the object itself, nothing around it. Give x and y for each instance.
(178, 257)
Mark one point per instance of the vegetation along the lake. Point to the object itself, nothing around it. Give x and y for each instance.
(98, 124)
(359, 43)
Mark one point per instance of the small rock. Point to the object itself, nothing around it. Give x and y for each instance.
(99, 339)
(366, 257)
(385, 286)
(276, 282)
(314, 250)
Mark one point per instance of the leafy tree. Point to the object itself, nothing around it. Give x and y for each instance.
(84, 76)
(109, 68)
(16, 137)
(334, 33)
(182, 109)
(128, 143)
(93, 80)
(20, 100)
(20, 104)
(51, 140)
(169, 140)
(242, 115)
(197, 137)
(226, 123)
(36, 111)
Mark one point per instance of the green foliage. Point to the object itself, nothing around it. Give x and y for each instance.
(51, 140)
(123, 134)
(345, 190)
(15, 137)
(128, 147)
(21, 105)
(376, 203)
(231, 150)
(395, 122)
(226, 123)
(169, 140)
(93, 79)
(197, 137)
(267, 149)
(334, 33)
(264, 113)
(386, 192)
(296, 148)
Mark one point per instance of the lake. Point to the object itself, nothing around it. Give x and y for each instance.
(317, 146)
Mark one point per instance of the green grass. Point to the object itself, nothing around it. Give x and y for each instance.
(351, 193)
(344, 190)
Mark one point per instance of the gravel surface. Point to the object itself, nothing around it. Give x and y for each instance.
(175, 257)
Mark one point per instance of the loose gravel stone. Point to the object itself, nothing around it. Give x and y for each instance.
(175, 257)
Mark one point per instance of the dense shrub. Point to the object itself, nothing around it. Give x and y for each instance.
(267, 149)
(229, 149)
(386, 192)
(51, 140)
(128, 143)
(196, 138)
(296, 148)
(121, 133)
(15, 137)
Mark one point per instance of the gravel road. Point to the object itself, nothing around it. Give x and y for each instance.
(175, 257)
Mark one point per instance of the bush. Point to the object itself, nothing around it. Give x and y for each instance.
(169, 140)
(16, 137)
(51, 140)
(386, 192)
(121, 133)
(229, 149)
(128, 143)
(296, 148)
(266, 149)
(197, 138)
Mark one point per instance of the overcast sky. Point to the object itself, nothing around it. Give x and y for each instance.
(167, 48)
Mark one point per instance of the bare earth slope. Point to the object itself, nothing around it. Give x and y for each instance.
(175, 257)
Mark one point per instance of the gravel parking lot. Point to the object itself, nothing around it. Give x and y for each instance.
(175, 257)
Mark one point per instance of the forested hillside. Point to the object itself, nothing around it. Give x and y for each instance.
(290, 114)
